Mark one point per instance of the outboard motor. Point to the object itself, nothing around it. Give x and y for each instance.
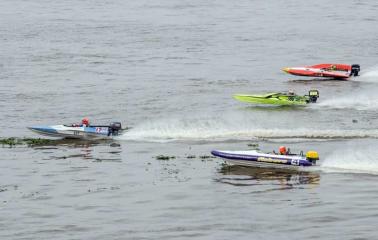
(312, 157)
(313, 96)
(114, 128)
(355, 70)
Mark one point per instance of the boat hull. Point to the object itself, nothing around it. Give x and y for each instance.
(254, 158)
(317, 72)
(272, 101)
(62, 131)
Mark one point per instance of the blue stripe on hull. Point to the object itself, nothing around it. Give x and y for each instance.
(43, 129)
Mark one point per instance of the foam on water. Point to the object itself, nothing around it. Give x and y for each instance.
(359, 101)
(221, 130)
(370, 75)
(362, 99)
(354, 160)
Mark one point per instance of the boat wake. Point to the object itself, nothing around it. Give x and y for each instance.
(355, 160)
(211, 130)
(362, 99)
(371, 75)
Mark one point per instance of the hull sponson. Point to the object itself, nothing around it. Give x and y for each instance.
(317, 72)
(62, 131)
(248, 158)
(272, 100)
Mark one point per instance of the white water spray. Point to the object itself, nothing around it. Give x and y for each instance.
(370, 75)
(222, 130)
(362, 159)
(359, 101)
(365, 98)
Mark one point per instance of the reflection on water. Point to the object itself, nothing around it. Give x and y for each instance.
(72, 143)
(73, 148)
(249, 176)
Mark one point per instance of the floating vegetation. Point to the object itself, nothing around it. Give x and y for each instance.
(224, 165)
(12, 141)
(36, 141)
(191, 156)
(254, 145)
(206, 157)
(115, 145)
(9, 141)
(164, 157)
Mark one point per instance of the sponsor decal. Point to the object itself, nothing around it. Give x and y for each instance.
(271, 160)
(101, 130)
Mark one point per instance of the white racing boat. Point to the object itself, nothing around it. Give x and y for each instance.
(256, 158)
(80, 132)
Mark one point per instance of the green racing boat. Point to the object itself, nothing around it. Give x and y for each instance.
(281, 98)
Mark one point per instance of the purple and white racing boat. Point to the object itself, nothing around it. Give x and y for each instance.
(256, 158)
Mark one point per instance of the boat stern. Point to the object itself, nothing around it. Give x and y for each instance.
(312, 157)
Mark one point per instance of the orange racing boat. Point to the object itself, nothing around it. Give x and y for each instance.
(326, 70)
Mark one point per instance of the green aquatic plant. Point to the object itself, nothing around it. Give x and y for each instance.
(255, 145)
(164, 157)
(115, 144)
(36, 141)
(10, 141)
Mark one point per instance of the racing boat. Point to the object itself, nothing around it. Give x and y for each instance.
(256, 158)
(326, 70)
(79, 131)
(282, 98)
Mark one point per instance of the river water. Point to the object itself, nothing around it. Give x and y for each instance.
(169, 69)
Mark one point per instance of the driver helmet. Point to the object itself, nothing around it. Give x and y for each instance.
(291, 92)
(85, 122)
(282, 150)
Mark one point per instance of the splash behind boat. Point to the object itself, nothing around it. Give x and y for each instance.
(256, 158)
(80, 132)
(326, 70)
